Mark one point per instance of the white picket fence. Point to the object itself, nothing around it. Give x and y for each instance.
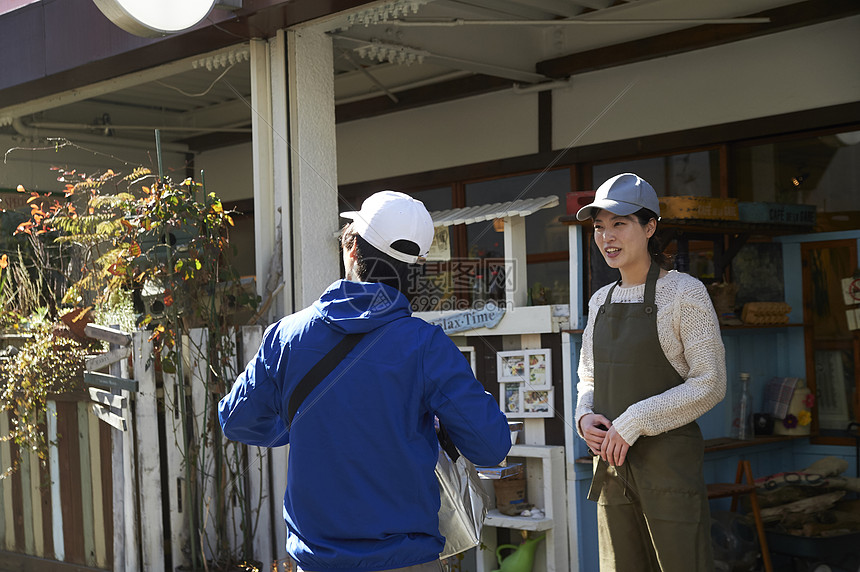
(253, 467)
(100, 499)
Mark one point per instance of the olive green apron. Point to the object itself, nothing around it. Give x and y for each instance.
(652, 510)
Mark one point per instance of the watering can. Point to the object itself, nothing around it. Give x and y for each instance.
(521, 559)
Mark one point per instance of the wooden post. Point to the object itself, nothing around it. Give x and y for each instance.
(125, 516)
(149, 461)
(516, 280)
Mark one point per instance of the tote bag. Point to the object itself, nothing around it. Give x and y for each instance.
(464, 502)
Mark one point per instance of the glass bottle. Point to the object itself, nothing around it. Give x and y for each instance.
(742, 427)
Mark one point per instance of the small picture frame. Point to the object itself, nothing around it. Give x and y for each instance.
(511, 366)
(511, 400)
(517, 401)
(538, 403)
(530, 367)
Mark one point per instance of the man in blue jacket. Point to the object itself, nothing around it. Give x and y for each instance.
(362, 494)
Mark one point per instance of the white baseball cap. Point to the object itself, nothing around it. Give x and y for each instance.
(622, 195)
(388, 216)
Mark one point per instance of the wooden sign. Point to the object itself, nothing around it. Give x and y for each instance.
(106, 334)
(108, 398)
(109, 418)
(106, 381)
(103, 360)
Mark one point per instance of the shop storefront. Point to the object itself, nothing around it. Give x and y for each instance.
(768, 119)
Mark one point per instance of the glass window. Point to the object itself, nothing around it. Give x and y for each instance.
(544, 232)
(823, 171)
(694, 174)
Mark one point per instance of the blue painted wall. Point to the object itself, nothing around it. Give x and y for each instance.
(761, 352)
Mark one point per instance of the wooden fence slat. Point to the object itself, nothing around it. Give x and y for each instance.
(234, 458)
(105, 451)
(17, 500)
(7, 523)
(279, 458)
(36, 504)
(260, 492)
(148, 462)
(201, 404)
(27, 504)
(175, 486)
(70, 481)
(95, 462)
(54, 464)
(47, 506)
(87, 518)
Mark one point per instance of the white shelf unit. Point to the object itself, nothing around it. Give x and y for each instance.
(546, 490)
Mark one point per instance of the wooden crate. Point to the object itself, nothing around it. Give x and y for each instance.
(699, 208)
(578, 199)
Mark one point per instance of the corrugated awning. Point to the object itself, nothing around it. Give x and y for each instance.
(469, 215)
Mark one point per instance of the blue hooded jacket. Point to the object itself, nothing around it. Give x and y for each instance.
(361, 490)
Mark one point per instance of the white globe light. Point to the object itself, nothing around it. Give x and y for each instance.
(150, 18)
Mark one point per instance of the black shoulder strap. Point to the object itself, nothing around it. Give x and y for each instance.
(319, 372)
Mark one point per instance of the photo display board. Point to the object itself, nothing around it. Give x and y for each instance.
(525, 383)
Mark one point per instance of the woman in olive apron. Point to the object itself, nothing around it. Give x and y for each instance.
(652, 362)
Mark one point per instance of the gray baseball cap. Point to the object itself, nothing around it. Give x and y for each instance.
(623, 195)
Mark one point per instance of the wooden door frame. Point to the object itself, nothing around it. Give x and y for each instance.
(809, 350)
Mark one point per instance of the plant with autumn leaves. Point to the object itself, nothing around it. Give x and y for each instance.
(167, 244)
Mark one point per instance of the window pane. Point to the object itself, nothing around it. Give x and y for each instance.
(544, 233)
(685, 174)
(549, 283)
(822, 171)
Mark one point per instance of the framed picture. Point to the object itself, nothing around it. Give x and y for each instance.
(517, 400)
(511, 366)
(511, 400)
(530, 367)
(538, 403)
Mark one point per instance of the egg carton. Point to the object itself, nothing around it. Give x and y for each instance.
(765, 313)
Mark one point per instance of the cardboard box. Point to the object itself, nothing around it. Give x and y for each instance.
(699, 208)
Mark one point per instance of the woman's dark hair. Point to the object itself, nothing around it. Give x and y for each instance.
(373, 265)
(655, 245)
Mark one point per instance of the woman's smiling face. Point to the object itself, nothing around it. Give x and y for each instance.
(622, 239)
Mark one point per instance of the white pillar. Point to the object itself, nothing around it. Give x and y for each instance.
(516, 277)
(313, 163)
(261, 144)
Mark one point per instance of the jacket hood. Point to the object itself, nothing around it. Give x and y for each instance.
(358, 307)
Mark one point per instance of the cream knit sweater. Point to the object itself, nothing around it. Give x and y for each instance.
(689, 334)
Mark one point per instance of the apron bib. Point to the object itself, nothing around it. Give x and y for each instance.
(662, 474)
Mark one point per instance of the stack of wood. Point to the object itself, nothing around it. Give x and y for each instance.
(814, 502)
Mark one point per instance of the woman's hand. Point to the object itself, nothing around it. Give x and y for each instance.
(593, 428)
(614, 448)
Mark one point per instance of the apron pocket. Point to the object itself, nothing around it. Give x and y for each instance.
(608, 489)
(672, 506)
